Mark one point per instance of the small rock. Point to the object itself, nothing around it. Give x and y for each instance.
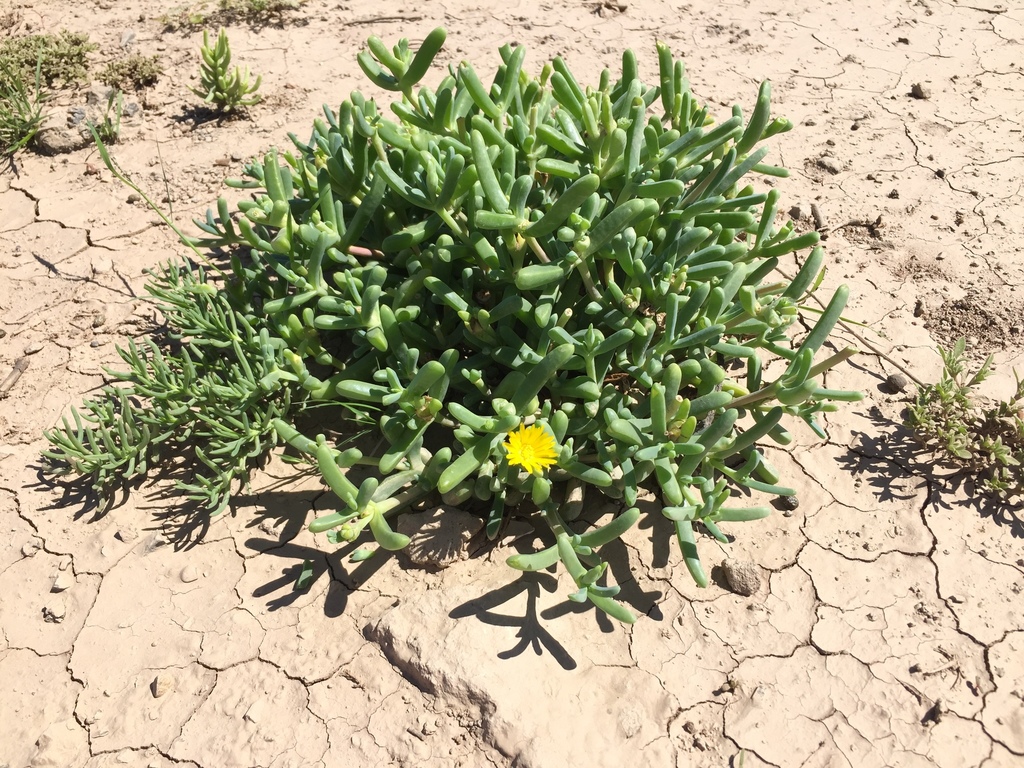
(127, 38)
(99, 319)
(743, 578)
(630, 721)
(789, 502)
(55, 612)
(134, 197)
(127, 534)
(101, 264)
(98, 95)
(796, 213)
(894, 194)
(33, 348)
(896, 383)
(63, 580)
(920, 308)
(919, 91)
(30, 547)
(222, 162)
(236, 157)
(189, 574)
(59, 141)
(162, 684)
(75, 116)
(689, 727)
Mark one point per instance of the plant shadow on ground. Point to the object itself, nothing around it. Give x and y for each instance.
(872, 456)
(187, 525)
(198, 115)
(532, 633)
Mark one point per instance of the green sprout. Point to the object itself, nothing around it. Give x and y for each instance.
(537, 293)
(219, 85)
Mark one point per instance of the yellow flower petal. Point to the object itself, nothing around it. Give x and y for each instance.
(532, 448)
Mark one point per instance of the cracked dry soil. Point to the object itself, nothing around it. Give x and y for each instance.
(887, 628)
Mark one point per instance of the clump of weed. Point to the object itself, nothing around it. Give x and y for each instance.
(255, 12)
(987, 441)
(59, 58)
(132, 72)
(21, 107)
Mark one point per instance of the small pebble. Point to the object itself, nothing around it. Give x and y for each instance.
(63, 580)
(919, 91)
(30, 548)
(894, 194)
(896, 383)
(920, 309)
(127, 534)
(189, 574)
(162, 684)
(134, 197)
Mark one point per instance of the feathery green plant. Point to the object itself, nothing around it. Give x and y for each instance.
(542, 293)
(218, 84)
(988, 442)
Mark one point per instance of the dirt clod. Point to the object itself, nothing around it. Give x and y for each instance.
(919, 91)
(896, 383)
(55, 612)
(743, 577)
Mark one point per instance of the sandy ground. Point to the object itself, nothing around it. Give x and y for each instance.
(887, 629)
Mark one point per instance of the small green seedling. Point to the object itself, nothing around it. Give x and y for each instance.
(225, 89)
(108, 130)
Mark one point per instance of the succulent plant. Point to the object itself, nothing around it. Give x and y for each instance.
(538, 292)
(218, 84)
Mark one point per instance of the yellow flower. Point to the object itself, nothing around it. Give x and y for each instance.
(532, 448)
